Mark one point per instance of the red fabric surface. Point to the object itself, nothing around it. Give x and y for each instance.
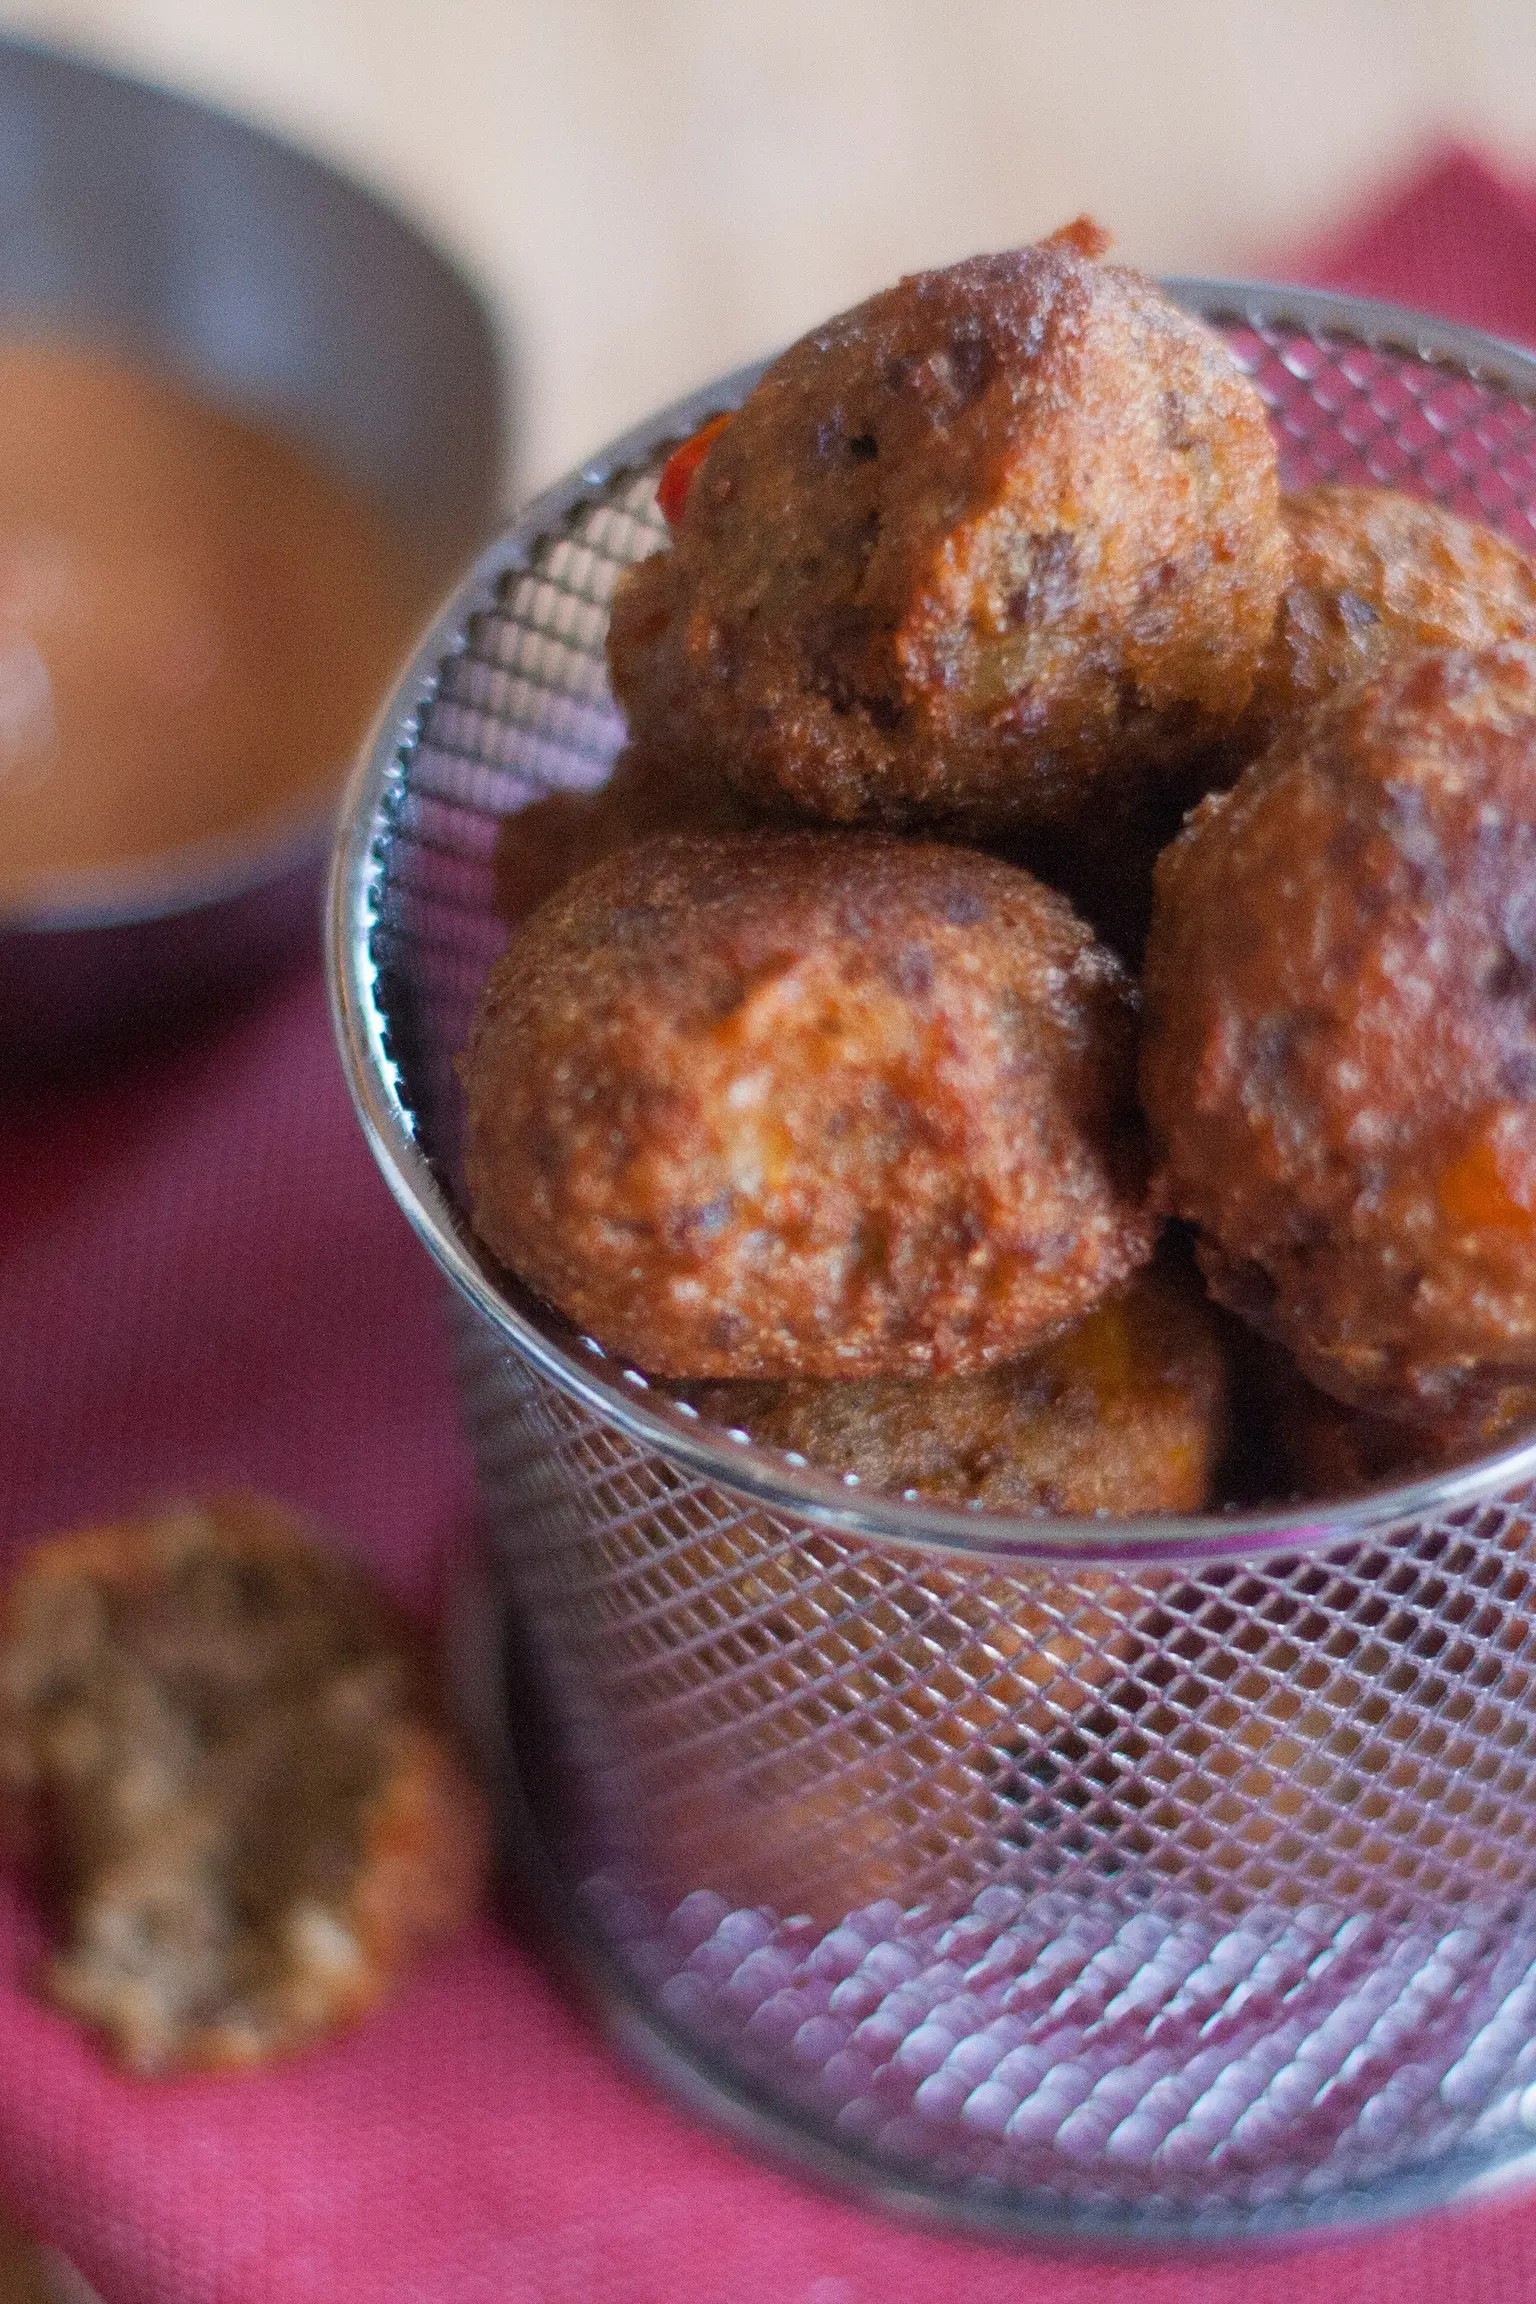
(1458, 240)
(203, 1280)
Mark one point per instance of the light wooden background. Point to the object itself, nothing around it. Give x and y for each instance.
(653, 190)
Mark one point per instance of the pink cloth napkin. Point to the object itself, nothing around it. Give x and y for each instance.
(203, 1281)
(1458, 240)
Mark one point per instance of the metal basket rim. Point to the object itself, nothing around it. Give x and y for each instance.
(585, 1372)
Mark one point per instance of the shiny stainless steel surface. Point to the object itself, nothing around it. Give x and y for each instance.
(140, 220)
(1150, 1881)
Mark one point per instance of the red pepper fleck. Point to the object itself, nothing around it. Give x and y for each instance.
(678, 471)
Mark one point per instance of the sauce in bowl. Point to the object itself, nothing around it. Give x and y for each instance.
(196, 620)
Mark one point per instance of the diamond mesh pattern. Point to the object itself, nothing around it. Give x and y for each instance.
(1344, 413)
(1139, 1898)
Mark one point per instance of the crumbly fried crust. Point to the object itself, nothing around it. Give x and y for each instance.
(217, 1746)
(1125, 1414)
(1374, 575)
(992, 547)
(1339, 1058)
(808, 1104)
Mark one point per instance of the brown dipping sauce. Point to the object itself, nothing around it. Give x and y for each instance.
(196, 620)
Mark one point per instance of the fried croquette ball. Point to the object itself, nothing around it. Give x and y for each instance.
(808, 1104)
(1339, 1059)
(1375, 574)
(996, 543)
(1124, 1414)
(561, 834)
(217, 1746)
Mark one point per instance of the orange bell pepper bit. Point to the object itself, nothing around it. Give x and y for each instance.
(1491, 1184)
(678, 471)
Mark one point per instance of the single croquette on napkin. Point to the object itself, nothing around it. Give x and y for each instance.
(218, 1751)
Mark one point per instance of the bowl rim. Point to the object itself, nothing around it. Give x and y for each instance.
(66, 58)
(623, 1396)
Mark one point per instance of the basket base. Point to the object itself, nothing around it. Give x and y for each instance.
(539, 1897)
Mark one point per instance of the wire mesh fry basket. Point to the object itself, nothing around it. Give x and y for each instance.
(1138, 1881)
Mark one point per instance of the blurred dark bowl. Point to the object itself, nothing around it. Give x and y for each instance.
(145, 223)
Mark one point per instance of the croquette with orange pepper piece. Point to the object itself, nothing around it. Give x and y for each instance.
(1125, 1414)
(1339, 1058)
